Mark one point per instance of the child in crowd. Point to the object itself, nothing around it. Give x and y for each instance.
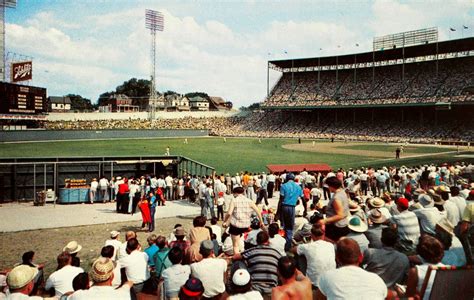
(220, 206)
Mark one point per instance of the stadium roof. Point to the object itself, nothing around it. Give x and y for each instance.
(459, 45)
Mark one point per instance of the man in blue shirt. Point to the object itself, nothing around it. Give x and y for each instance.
(289, 194)
(152, 249)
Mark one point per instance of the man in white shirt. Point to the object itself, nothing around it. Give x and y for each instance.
(93, 190)
(175, 276)
(61, 280)
(114, 242)
(135, 265)
(102, 275)
(104, 189)
(169, 187)
(320, 255)
(213, 281)
(20, 281)
(122, 252)
(350, 281)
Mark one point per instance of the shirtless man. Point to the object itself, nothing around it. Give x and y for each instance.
(294, 284)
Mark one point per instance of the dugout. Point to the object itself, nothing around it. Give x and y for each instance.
(22, 178)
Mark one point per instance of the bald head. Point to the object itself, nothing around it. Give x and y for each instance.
(130, 235)
(348, 252)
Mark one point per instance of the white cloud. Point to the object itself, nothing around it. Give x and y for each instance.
(99, 52)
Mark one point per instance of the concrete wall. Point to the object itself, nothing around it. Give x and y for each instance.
(48, 135)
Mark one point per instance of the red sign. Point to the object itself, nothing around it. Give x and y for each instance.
(22, 71)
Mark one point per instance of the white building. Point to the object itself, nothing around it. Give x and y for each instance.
(59, 104)
(199, 103)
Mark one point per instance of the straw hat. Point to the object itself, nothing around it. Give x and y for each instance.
(436, 198)
(425, 200)
(376, 202)
(356, 224)
(114, 234)
(376, 216)
(102, 269)
(446, 226)
(20, 276)
(72, 247)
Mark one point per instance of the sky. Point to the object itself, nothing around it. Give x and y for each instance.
(88, 47)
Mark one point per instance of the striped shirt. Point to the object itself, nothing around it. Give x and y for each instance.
(408, 227)
(262, 263)
(242, 212)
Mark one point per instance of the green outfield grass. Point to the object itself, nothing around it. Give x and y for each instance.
(391, 148)
(237, 154)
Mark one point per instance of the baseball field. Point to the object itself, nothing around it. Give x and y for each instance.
(245, 154)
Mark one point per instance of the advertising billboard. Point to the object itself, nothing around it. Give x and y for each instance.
(21, 71)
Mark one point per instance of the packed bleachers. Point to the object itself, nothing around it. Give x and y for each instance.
(384, 85)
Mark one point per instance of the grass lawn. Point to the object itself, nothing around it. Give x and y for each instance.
(237, 154)
(391, 148)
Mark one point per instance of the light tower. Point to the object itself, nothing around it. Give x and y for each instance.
(3, 5)
(155, 22)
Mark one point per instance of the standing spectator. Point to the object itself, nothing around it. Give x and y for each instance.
(102, 275)
(169, 187)
(337, 211)
(320, 254)
(113, 192)
(20, 282)
(153, 204)
(144, 207)
(271, 184)
(220, 206)
(176, 275)
(213, 281)
(93, 190)
(122, 196)
(61, 280)
(289, 194)
(349, 279)
(114, 242)
(104, 189)
(238, 216)
(262, 263)
(391, 265)
(294, 284)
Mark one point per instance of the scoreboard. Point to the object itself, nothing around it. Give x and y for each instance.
(22, 99)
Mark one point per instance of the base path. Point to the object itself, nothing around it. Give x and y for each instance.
(25, 216)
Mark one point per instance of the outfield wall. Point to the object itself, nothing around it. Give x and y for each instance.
(137, 115)
(50, 135)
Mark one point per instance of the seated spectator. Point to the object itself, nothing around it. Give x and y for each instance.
(431, 251)
(73, 249)
(115, 242)
(276, 240)
(262, 262)
(217, 230)
(81, 282)
(407, 227)
(176, 275)
(358, 227)
(453, 250)
(213, 281)
(294, 284)
(428, 215)
(228, 246)
(102, 275)
(20, 281)
(135, 265)
(160, 259)
(151, 250)
(180, 239)
(251, 238)
(197, 234)
(241, 286)
(123, 248)
(320, 254)
(61, 280)
(391, 265)
(349, 279)
(27, 259)
(374, 232)
(193, 289)
(108, 252)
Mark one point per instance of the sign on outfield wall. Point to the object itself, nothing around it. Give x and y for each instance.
(21, 71)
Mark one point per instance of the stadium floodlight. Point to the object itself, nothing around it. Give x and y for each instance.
(3, 4)
(404, 39)
(154, 21)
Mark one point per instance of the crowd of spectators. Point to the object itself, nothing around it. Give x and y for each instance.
(384, 85)
(371, 232)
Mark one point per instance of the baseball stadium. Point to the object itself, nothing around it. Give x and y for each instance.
(402, 112)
